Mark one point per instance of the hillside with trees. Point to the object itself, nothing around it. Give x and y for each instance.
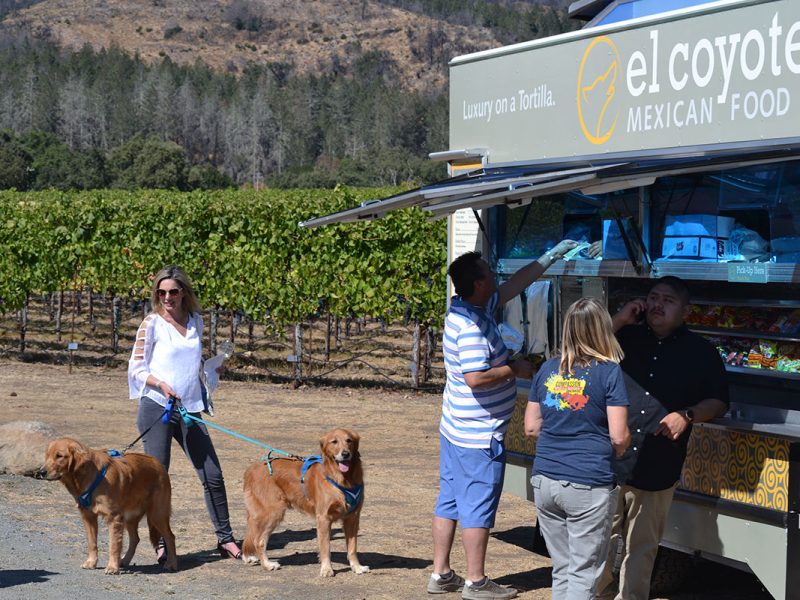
(187, 95)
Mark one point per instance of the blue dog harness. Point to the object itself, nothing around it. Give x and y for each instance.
(85, 499)
(352, 496)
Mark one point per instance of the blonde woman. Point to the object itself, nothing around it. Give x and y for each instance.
(577, 412)
(165, 363)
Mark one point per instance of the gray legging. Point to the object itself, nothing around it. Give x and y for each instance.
(197, 446)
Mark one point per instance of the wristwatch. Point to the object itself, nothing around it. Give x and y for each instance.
(689, 414)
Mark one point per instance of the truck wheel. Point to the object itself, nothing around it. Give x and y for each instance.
(670, 571)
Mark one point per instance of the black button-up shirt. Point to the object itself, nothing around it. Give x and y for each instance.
(663, 376)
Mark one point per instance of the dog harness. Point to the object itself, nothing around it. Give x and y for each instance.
(85, 499)
(352, 496)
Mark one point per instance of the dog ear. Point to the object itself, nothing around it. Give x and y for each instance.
(78, 453)
(356, 439)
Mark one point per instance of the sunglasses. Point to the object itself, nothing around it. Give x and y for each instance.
(172, 292)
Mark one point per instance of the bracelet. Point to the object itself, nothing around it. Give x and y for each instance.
(158, 383)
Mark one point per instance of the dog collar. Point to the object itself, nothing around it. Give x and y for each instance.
(85, 499)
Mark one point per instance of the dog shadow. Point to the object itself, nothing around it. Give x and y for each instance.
(11, 577)
(374, 560)
(280, 539)
(186, 562)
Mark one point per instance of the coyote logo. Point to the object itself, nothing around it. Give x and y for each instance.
(598, 109)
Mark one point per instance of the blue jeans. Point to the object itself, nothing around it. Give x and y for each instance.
(575, 520)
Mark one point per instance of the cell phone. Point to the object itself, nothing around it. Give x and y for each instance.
(641, 315)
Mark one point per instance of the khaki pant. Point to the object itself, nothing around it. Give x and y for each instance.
(639, 521)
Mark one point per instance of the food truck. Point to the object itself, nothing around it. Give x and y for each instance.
(666, 135)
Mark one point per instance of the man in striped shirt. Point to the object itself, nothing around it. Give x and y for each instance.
(479, 399)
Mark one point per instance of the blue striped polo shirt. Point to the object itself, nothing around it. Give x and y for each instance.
(472, 342)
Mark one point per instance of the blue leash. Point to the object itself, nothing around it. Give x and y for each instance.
(187, 417)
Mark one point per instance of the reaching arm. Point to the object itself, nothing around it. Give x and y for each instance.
(532, 271)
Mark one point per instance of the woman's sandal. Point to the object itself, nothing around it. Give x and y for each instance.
(225, 553)
(161, 555)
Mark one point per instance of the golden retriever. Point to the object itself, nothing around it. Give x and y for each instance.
(267, 496)
(133, 485)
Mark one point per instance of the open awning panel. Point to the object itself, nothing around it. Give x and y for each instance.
(519, 185)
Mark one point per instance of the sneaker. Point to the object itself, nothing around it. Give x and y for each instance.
(450, 583)
(488, 590)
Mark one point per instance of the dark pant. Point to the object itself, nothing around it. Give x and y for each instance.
(197, 446)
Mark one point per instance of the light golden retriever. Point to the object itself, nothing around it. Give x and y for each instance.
(133, 485)
(267, 496)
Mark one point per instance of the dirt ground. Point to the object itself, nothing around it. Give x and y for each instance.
(400, 450)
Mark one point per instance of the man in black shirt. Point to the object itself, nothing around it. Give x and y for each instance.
(684, 373)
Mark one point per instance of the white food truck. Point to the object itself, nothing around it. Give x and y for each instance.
(668, 132)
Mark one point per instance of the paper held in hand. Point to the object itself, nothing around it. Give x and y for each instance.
(210, 368)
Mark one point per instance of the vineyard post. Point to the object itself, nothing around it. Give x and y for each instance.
(250, 333)
(328, 325)
(52, 310)
(23, 324)
(236, 318)
(212, 331)
(424, 353)
(75, 308)
(338, 334)
(116, 318)
(415, 351)
(431, 350)
(298, 353)
(59, 310)
(92, 325)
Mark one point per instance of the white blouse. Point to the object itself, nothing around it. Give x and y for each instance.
(160, 350)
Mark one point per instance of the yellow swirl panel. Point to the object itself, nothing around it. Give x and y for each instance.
(743, 467)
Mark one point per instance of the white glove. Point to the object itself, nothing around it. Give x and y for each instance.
(560, 249)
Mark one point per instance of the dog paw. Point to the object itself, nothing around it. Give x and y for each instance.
(112, 570)
(249, 559)
(171, 565)
(359, 569)
(326, 571)
(89, 563)
(271, 565)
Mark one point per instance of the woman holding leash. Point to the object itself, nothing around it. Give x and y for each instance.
(577, 412)
(166, 363)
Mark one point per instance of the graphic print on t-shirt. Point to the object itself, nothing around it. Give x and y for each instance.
(565, 392)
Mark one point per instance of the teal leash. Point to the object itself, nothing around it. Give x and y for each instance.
(268, 459)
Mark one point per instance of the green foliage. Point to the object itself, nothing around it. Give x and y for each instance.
(243, 249)
(206, 177)
(15, 163)
(268, 121)
(149, 163)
